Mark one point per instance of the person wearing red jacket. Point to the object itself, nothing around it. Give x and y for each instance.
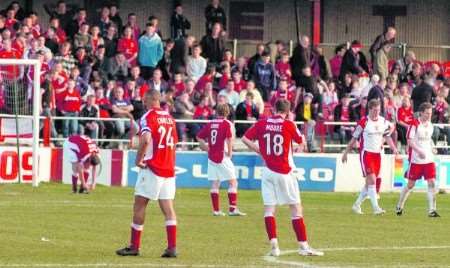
(128, 46)
(71, 106)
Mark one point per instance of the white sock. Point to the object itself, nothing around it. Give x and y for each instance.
(372, 192)
(431, 199)
(274, 242)
(303, 244)
(362, 196)
(403, 196)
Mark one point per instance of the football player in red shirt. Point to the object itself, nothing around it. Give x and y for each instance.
(156, 179)
(82, 153)
(279, 186)
(216, 138)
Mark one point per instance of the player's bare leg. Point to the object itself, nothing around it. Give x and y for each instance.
(271, 229)
(431, 195)
(299, 227)
(404, 196)
(137, 226)
(232, 199)
(167, 209)
(215, 198)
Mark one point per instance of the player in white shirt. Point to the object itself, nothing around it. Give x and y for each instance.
(420, 156)
(371, 132)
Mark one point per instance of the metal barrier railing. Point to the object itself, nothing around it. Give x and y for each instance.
(321, 137)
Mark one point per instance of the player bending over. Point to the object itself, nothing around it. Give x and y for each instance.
(420, 158)
(156, 179)
(278, 184)
(371, 131)
(216, 138)
(82, 153)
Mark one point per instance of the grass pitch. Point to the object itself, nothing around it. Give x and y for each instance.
(50, 227)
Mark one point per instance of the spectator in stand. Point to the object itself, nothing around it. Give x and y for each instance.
(213, 45)
(405, 64)
(380, 65)
(157, 83)
(405, 118)
(178, 84)
(196, 64)
(351, 63)
(155, 21)
(138, 105)
(441, 116)
(385, 38)
(329, 100)
(300, 60)
(257, 99)
(82, 38)
(336, 61)
(122, 108)
(307, 112)
(111, 43)
(65, 57)
(104, 21)
(222, 99)
(96, 39)
(228, 57)
(166, 63)
(31, 50)
(239, 83)
(319, 65)
(83, 63)
(377, 92)
(51, 40)
(61, 35)
(422, 93)
(400, 93)
(18, 10)
(260, 49)
(358, 109)
(232, 96)
(246, 110)
(80, 83)
(208, 77)
(225, 72)
(128, 46)
(214, 13)
(178, 23)
(182, 49)
(41, 45)
(73, 26)
(203, 110)
(283, 68)
(61, 13)
(132, 23)
(415, 77)
(184, 109)
(104, 105)
(115, 17)
(90, 109)
(135, 74)
(118, 68)
(342, 114)
(241, 66)
(283, 92)
(71, 106)
(150, 51)
(264, 76)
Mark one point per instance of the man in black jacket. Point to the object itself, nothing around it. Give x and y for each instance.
(178, 23)
(246, 110)
(422, 93)
(213, 45)
(214, 13)
(300, 59)
(351, 62)
(387, 37)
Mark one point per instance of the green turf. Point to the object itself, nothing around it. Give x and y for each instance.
(87, 229)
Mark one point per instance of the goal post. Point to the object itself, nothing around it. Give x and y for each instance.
(13, 71)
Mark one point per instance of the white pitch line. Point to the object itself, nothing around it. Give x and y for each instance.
(275, 260)
(81, 265)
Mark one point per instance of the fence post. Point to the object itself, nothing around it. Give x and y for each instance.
(46, 132)
(291, 47)
(403, 47)
(235, 48)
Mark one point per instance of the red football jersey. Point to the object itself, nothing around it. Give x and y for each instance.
(275, 136)
(71, 102)
(83, 147)
(216, 133)
(160, 156)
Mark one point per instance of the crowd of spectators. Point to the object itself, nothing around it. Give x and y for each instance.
(101, 67)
